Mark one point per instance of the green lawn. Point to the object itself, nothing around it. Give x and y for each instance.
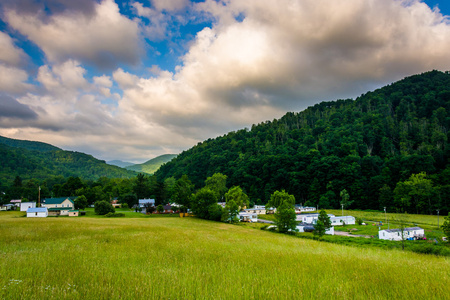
(188, 258)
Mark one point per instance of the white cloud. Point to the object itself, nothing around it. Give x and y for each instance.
(13, 80)
(105, 38)
(260, 59)
(173, 5)
(10, 54)
(286, 56)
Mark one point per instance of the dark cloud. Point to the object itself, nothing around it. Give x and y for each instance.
(50, 6)
(11, 108)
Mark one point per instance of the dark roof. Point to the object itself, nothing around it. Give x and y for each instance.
(57, 200)
(59, 208)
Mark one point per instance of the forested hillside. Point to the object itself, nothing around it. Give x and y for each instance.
(42, 161)
(30, 145)
(373, 147)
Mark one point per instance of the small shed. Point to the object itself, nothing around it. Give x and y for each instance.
(37, 212)
(73, 213)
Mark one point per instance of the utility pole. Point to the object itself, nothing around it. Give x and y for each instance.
(385, 217)
(39, 198)
(438, 216)
(342, 209)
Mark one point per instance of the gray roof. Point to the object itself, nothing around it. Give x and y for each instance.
(405, 229)
(142, 201)
(37, 209)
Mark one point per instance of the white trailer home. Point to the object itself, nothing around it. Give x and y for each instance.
(310, 228)
(310, 218)
(396, 234)
(248, 217)
(24, 206)
(37, 212)
(341, 220)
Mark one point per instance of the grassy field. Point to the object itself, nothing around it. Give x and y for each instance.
(188, 258)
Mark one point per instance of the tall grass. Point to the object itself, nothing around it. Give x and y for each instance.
(188, 258)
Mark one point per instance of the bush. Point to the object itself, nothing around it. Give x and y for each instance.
(359, 221)
(103, 207)
(125, 206)
(114, 215)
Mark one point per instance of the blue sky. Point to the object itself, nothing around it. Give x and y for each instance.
(134, 79)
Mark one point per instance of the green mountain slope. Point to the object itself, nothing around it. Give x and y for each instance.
(30, 145)
(151, 166)
(40, 161)
(361, 145)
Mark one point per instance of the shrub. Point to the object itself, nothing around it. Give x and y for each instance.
(359, 221)
(103, 207)
(114, 215)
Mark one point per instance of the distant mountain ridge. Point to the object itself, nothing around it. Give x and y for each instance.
(119, 163)
(29, 159)
(151, 166)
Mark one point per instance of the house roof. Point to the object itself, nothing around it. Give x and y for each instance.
(37, 209)
(73, 210)
(142, 201)
(406, 229)
(57, 200)
(16, 201)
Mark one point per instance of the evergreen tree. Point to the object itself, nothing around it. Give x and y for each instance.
(323, 224)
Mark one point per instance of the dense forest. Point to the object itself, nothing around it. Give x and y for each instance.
(388, 148)
(35, 160)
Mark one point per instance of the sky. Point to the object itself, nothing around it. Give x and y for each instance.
(135, 79)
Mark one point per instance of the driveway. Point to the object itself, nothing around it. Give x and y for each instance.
(344, 233)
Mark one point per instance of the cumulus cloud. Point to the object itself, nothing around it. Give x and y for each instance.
(105, 38)
(12, 109)
(10, 54)
(286, 56)
(13, 80)
(51, 6)
(259, 59)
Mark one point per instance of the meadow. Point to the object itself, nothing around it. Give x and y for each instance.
(189, 258)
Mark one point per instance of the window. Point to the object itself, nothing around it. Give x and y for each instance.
(35, 213)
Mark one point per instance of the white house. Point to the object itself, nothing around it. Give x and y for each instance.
(59, 206)
(302, 227)
(24, 206)
(16, 202)
(37, 212)
(310, 218)
(300, 209)
(340, 220)
(142, 202)
(248, 217)
(396, 234)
